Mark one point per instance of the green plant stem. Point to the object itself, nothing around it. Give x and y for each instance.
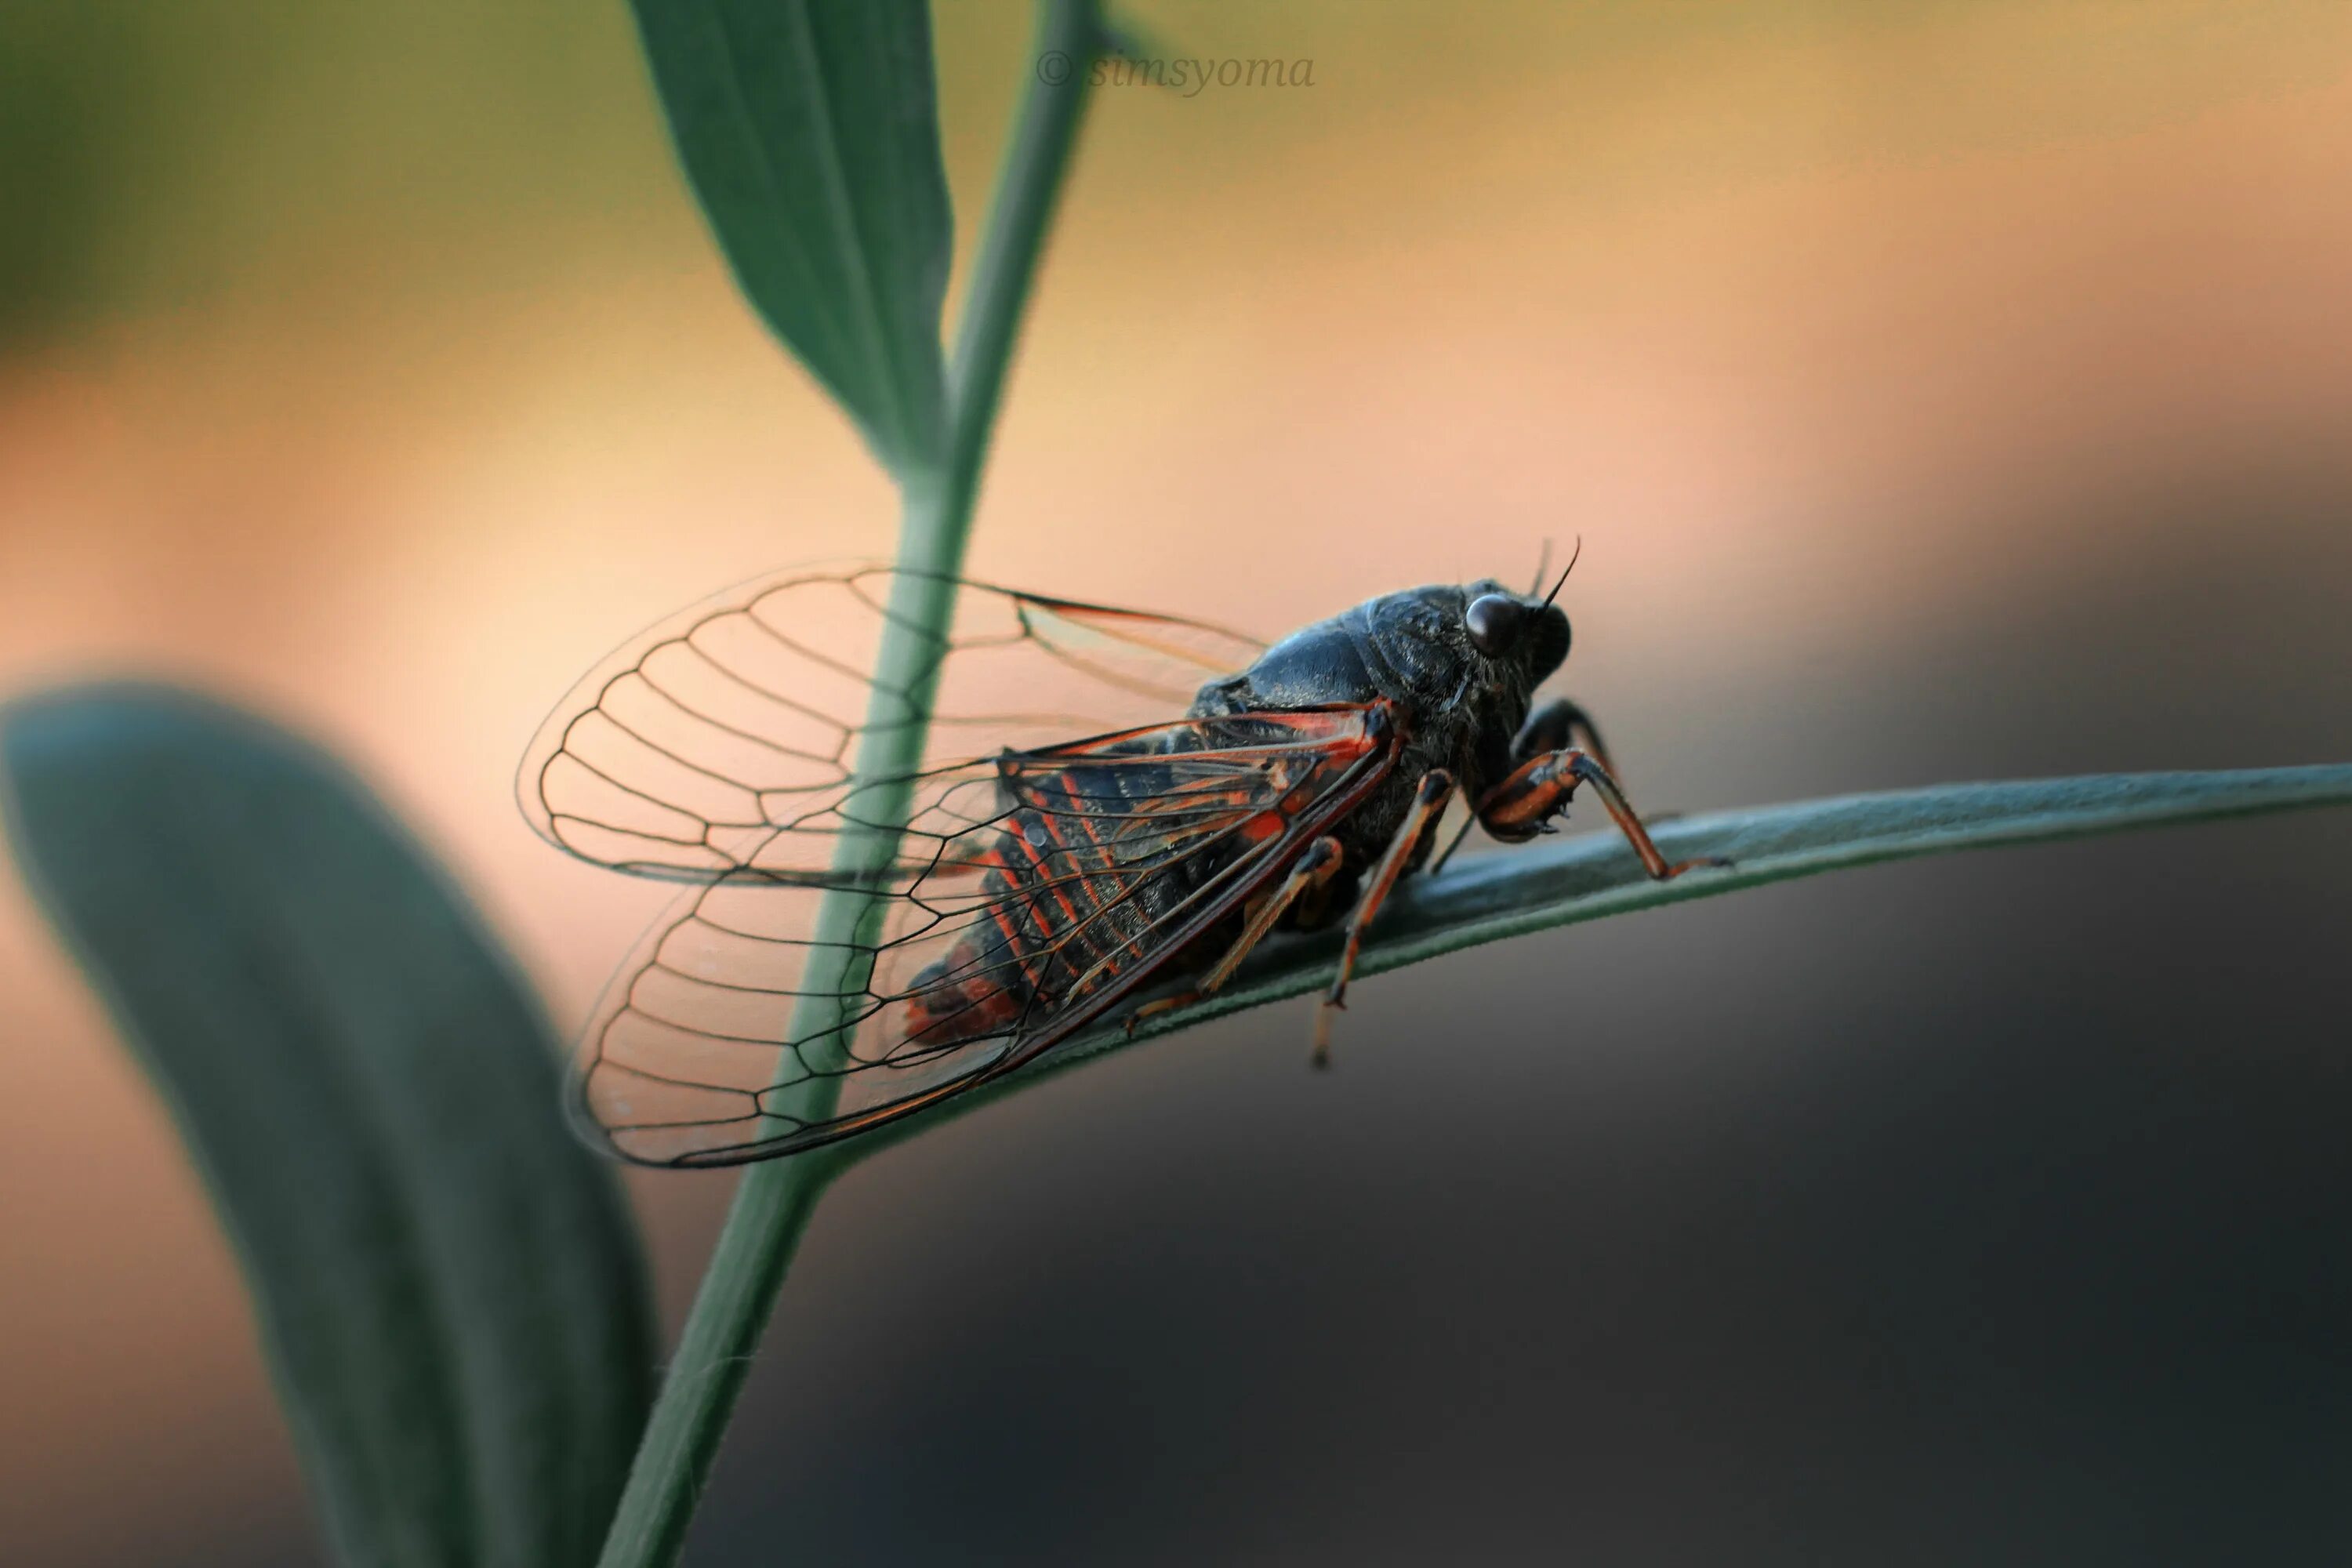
(774, 1201)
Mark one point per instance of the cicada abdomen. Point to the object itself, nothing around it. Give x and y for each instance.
(1104, 850)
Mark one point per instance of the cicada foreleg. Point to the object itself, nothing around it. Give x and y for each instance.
(1554, 727)
(1315, 868)
(1428, 806)
(1523, 805)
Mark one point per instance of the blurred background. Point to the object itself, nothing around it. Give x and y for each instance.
(1944, 391)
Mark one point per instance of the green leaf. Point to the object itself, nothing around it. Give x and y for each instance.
(1515, 892)
(810, 132)
(448, 1286)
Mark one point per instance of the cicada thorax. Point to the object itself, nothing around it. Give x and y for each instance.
(1092, 862)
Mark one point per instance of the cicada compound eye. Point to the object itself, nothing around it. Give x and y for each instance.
(1493, 621)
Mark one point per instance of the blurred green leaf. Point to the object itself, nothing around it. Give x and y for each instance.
(1487, 897)
(809, 131)
(448, 1286)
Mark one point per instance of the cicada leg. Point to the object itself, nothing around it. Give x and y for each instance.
(1524, 804)
(1428, 806)
(1313, 870)
(1554, 727)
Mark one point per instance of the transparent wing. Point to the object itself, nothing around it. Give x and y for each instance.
(701, 747)
(1044, 887)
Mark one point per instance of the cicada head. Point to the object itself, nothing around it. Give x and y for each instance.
(1521, 638)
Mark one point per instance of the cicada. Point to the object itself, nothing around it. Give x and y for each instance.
(1113, 810)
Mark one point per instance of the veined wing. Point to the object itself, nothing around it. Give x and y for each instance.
(1044, 887)
(700, 748)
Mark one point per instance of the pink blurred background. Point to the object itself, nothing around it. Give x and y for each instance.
(379, 373)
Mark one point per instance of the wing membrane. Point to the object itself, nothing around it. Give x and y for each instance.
(1040, 887)
(703, 746)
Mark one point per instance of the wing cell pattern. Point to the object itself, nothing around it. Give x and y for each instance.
(683, 754)
(1032, 888)
(1051, 884)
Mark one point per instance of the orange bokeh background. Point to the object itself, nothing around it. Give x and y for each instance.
(1841, 335)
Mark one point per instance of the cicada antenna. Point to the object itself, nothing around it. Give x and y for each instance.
(1555, 587)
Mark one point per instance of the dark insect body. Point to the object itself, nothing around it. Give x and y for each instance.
(1036, 891)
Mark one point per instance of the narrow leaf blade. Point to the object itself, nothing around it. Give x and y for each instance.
(809, 129)
(448, 1286)
(1590, 876)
